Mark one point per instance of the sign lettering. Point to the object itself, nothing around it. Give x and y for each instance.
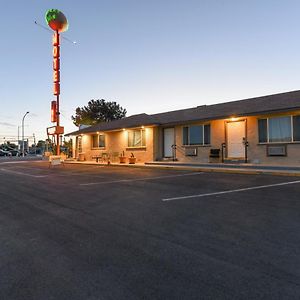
(53, 112)
(56, 76)
(56, 88)
(56, 51)
(55, 39)
(56, 64)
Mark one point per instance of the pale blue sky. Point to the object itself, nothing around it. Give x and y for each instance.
(149, 56)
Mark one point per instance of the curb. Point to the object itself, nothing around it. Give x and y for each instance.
(197, 169)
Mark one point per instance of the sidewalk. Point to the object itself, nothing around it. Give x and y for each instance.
(206, 167)
(245, 168)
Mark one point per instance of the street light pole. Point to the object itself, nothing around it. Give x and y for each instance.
(34, 142)
(19, 138)
(23, 154)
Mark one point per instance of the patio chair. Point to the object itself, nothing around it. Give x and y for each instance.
(115, 156)
(105, 157)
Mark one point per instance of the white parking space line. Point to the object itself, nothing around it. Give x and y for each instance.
(78, 174)
(140, 179)
(232, 191)
(14, 162)
(23, 174)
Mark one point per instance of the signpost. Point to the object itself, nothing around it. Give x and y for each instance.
(57, 21)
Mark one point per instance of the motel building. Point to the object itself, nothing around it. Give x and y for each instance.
(262, 130)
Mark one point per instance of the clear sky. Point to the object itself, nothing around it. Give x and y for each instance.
(149, 56)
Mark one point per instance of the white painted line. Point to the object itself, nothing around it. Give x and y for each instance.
(140, 179)
(78, 174)
(232, 191)
(14, 162)
(23, 174)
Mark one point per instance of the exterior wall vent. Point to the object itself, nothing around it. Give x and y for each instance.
(190, 151)
(276, 150)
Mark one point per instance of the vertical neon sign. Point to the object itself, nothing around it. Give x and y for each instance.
(57, 21)
(56, 64)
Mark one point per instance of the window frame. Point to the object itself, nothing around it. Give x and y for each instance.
(143, 139)
(203, 136)
(98, 139)
(292, 141)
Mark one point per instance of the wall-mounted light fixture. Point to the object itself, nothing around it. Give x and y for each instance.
(233, 119)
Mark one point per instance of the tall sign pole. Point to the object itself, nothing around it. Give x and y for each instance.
(57, 22)
(56, 85)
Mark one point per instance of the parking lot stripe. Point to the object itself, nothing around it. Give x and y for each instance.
(14, 162)
(232, 191)
(140, 179)
(23, 174)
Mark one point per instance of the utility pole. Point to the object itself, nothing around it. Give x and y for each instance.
(34, 143)
(18, 137)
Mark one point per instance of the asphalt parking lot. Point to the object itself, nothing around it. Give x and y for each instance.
(92, 232)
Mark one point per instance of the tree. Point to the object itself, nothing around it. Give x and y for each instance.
(41, 144)
(98, 111)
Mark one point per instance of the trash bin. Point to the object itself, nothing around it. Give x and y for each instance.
(81, 157)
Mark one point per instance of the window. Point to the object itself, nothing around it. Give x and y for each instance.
(263, 130)
(136, 138)
(296, 128)
(196, 135)
(279, 129)
(98, 141)
(185, 136)
(207, 134)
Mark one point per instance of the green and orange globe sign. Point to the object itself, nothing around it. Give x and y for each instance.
(56, 20)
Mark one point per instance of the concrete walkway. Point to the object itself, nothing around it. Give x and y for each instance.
(207, 167)
(234, 168)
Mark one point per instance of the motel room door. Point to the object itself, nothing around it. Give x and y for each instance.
(169, 140)
(236, 136)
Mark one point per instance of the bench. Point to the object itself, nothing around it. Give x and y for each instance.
(104, 157)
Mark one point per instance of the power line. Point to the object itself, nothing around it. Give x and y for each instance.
(46, 28)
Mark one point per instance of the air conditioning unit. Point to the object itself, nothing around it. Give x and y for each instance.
(190, 151)
(276, 150)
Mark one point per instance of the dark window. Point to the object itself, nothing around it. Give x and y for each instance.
(207, 134)
(185, 136)
(196, 135)
(95, 141)
(296, 127)
(102, 140)
(262, 131)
